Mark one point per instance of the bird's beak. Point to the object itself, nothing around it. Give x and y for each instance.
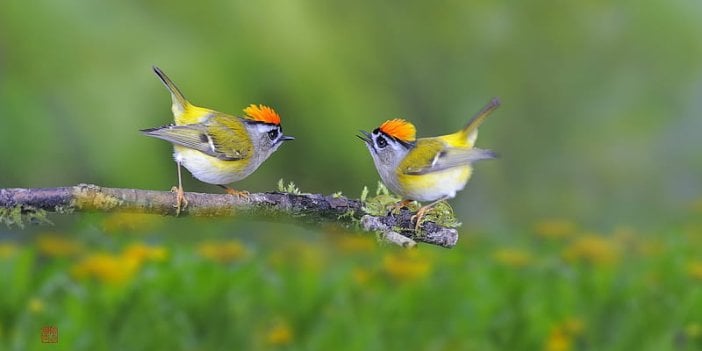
(286, 138)
(366, 136)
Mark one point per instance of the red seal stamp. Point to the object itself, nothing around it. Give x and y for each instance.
(49, 334)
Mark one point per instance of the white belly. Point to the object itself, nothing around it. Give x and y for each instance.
(209, 169)
(434, 186)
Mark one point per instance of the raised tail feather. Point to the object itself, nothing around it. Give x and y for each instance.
(180, 104)
(470, 131)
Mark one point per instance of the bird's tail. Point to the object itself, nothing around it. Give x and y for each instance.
(470, 131)
(180, 104)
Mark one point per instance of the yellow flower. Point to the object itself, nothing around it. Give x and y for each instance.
(559, 340)
(555, 228)
(117, 269)
(561, 336)
(355, 242)
(591, 249)
(279, 334)
(35, 305)
(406, 265)
(8, 249)
(56, 245)
(108, 268)
(694, 269)
(141, 253)
(513, 257)
(129, 222)
(223, 252)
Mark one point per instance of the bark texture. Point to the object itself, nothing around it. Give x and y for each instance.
(310, 209)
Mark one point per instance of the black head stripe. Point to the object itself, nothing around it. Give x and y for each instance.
(406, 144)
(251, 122)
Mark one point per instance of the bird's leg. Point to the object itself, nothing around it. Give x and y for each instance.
(181, 201)
(423, 211)
(237, 193)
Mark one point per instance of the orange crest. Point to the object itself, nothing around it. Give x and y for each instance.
(262, 113)
(400, 129)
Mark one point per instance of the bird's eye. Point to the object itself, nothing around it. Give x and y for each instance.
(273, 134)
(381, 142)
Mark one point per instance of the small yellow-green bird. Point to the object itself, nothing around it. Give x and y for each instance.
(215, 147)
(426, 169)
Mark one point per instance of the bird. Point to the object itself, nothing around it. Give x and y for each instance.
(215, 147)
(431, 169)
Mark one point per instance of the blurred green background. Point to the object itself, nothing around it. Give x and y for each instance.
(599, 125)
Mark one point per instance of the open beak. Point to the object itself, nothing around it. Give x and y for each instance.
(366, 136)
(286, 138)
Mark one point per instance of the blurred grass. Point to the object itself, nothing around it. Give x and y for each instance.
(599, 130)
(556, 286)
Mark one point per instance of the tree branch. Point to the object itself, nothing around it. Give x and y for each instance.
(273, 206)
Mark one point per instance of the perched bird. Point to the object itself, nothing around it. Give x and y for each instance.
(215, 147)
(426, 169)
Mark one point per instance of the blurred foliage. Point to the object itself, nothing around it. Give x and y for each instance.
(599, 129)
(618, 290)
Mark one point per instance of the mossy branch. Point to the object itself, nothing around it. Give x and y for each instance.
(18, 203)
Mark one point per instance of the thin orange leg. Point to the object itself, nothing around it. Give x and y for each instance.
(181, 201)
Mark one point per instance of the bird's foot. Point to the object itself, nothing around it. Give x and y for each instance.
(181, 201)
(238, 193)
(396, 207)
(417, 217)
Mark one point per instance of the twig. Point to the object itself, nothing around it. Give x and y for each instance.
(273, 206)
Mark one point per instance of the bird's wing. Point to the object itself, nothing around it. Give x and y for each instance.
(230, 137)
(436, 156)
(218, 138)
